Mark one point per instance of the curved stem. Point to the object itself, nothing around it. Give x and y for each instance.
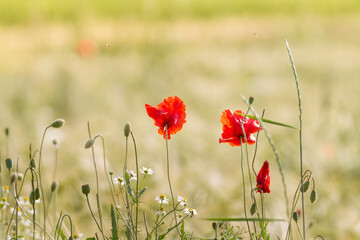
(40, 180)
(243, 183)
(137, 187)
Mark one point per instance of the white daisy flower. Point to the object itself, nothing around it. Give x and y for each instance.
(161, 211)
(132, 175)
(190, 211)
(78, 236)
(119, 180)
(5, 189)
(147, 171)
(182, 201)
(162, 199)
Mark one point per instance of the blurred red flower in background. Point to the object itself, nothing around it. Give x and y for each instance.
(170, 112)
(232, 130)
(263, 179)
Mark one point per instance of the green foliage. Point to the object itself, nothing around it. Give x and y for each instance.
(114, 229)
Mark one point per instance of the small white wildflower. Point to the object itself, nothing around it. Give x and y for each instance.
(161, 211)
(162, 199)
(119, 180)
(182, 201)
(78, 236)
(147, 171)
(190, 211)
(24, 201)
(5, 189)
(132, 175)
(4, 203)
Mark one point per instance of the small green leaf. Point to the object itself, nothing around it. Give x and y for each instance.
(269, 121)
(114, 230)
(142, 192)
(182, 231)
(128, 187)
(90, 238)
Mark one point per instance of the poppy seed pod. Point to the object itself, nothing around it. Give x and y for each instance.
(89, 143)
(85, 189)
(8, 163)
(127, 129)
(58, 123)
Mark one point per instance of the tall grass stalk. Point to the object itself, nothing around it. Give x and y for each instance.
(300, 135)
(137, 188)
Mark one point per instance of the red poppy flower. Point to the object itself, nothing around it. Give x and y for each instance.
(263, 179)
(232, 130)
(170, 112)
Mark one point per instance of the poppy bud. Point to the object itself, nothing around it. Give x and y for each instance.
(313, 196)
(32, 163)
(54, 186)
(20, 176)
(253, 209)
(305, 186)
(251, 100)
(13, 178)
(32, 198)
(58, 123)
(89, 143)
(295, 216)
(37, 194)
(85, 189)
(7, 131)
(8, 163)
(214, 226)
(127, 129)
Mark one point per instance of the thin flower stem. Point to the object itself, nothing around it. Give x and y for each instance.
(41, 188)
(300, 135)
(137, 187)
(168, 175)
(98, 199)
(243, 180)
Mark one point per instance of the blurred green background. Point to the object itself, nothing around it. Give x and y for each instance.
(101, 61)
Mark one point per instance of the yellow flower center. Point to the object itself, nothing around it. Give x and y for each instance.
(6, 188)
(4, 199)
(162, 197)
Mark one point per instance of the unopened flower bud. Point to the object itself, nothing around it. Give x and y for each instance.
(13, 178)
(305, 186)
(8, 163)
(32, 198)
(295, 216)
(127, 129)
(85, 189)
(89, 143)
(253, 209)
(54, 186)
(214, 225)
(32, 163)
(20, 176)
(7, 131)
(251, 100)
(313, 196)
(37, 194)
(58, 123)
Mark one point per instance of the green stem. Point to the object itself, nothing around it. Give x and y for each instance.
(40, 180)
(168, 176)
(300, 135)
(243, 181)
(137, 187)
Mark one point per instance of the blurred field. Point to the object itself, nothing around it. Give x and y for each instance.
(208, 54)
